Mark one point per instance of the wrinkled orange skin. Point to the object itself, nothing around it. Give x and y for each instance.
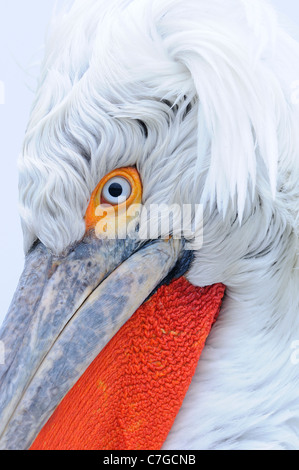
(130, 395)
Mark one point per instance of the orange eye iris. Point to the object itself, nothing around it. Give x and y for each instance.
(115, 193)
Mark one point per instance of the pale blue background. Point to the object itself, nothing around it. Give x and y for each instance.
(22, 29)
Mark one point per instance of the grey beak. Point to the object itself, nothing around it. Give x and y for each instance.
(64, 312)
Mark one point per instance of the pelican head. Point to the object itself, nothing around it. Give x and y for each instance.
(143, 103)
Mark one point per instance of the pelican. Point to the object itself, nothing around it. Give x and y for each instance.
(142, 103)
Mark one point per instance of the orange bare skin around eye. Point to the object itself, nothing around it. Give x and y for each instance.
(92, 216)
(130, 395)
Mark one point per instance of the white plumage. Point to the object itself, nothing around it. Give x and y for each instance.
(197, 95)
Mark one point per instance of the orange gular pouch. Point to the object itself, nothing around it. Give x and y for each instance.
(130, 395)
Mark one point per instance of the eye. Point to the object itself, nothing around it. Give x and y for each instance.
(120, 189)
(116, 191)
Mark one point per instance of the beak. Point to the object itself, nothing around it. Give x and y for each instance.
(64, 312)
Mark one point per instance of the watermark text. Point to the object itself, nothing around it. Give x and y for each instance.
(156, 221)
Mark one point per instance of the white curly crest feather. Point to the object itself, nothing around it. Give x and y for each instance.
(111, 64)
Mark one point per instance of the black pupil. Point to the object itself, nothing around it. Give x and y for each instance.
(115, 190)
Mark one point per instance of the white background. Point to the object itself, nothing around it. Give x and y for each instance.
(23, 25)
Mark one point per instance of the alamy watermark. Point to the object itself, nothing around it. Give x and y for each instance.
(154, 221)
